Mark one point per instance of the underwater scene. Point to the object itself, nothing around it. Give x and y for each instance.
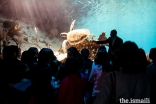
(134, 20)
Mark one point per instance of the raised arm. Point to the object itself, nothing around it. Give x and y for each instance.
(103, 42)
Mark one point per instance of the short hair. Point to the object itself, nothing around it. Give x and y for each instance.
(114, 32)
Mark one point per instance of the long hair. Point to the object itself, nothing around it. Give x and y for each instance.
(128, 58)
(102, 58)
(85, 53)
(72, 65)
(142, 60)
(152, 55)
(33, 52)
(45, 55)
(72, 51)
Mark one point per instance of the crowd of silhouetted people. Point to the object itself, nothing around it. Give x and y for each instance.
(37, 77)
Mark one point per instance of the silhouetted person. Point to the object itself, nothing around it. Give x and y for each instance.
(62, 73)
(41, 75)
(143, 60)
(100, 68)
(87, 63)
(9, 70)
(54, 63)
(151, 69)
(72, 87)
(128, 83)
(115, 43)
(25, 57)
(33, 56)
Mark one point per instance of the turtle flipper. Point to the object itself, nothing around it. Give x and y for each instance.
(72, 25)
(63, 34)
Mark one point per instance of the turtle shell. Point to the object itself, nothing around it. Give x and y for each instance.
(77, 36)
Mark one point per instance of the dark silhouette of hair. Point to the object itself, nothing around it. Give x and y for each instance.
(143, 63)
(41, 73)
(72, 65)
(45, 55)
(10, 67)
(85, 53)
(32, 52)
(114, 33)
(87, 62)
(25, 57)
(152, 55)
(128, 58)
(10, 52)
(102, 58)
(41, 76)
(72, 51)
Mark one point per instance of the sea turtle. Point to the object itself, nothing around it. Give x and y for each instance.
(74, 37)
(79, 38)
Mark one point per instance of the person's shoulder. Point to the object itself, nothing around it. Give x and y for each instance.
(17, 61)
(109, 38)
(83, 76)
(23, 85)
(119, 38)
(95, 65)
(65, 80)
(151, 66)
(88, 61)
(114, 74)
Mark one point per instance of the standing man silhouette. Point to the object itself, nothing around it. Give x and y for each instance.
(115, 43)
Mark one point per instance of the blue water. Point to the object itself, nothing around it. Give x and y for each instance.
(134, 20)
